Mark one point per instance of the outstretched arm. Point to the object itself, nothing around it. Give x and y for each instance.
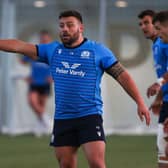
(18, 46)
(128, 84)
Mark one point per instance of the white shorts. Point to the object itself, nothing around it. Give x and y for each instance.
(161, 144)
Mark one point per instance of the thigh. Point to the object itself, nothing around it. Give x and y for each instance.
(33, 96)
(65, 151)
(95, 148)
(95, 153)
(92, 139)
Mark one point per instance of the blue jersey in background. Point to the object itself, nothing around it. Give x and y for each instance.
(40, 72)
(160, 54)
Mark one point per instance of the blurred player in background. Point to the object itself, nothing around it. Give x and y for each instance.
(160, 104)
(161, 25)
(160, 22)
(39, 87)
(77, 66)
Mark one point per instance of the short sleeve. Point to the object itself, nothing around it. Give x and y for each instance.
(46, 51)
(107, 57)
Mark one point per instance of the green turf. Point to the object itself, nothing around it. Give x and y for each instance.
(121, 152)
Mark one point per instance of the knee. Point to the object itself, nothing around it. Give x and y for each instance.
(67, 162)
(96, 163)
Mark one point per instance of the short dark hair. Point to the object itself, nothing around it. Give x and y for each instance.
(73, 13)
(147, 12)
(161, 16)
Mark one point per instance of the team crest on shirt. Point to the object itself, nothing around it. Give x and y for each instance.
(85, 54)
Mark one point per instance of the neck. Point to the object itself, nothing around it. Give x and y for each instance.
(76, 43)
(153, 38)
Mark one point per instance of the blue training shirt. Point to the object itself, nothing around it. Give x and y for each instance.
(160, 54)
(77, 76)
(40, 72)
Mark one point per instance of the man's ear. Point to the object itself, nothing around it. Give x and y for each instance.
(81, 28)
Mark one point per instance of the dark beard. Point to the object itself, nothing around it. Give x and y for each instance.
(72, 40)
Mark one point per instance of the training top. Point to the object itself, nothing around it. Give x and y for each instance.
(160, 54)
(77, 76)
(40, 72)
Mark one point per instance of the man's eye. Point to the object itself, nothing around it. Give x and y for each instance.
(70, 25)
(61, 26)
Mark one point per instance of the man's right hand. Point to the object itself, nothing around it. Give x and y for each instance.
(153, 89)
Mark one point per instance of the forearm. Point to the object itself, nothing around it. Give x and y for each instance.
(18, 46)
(119, 73)
(10, 45)
(130, 87)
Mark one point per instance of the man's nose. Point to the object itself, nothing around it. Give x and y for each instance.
(142, 26)
(65, 28)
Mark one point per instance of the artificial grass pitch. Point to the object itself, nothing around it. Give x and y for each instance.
(121, 151)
